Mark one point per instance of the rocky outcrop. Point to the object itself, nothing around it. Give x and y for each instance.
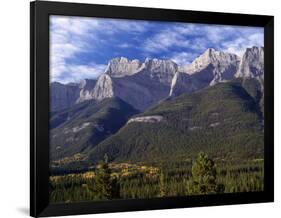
(181, 83)
(186, 83)
(146, 119)
(252, 63)
(100, 89)
(86, 87)
(120, 67)
(161, 71)
(103, 88)
(225, 65)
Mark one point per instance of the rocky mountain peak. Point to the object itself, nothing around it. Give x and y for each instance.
(155, 64)
(224, 65)
(252, 63)
(218, 59)
(160, 70)
(211, 52)
(121, 66)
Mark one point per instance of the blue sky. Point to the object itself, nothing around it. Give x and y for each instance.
(81, 47)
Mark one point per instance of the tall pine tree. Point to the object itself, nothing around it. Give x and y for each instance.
(103, 183)
(162, 187)
(204, 176)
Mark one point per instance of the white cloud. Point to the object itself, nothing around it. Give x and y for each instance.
(71, 36)
(76, 73)
(67, 38)
(183, 58)
(198, 37)
(88, 70)
(131, 26)
(239, 45)
(164, 41)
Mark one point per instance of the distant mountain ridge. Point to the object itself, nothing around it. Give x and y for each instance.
(63, 95)
(145, 84)
(84, 125)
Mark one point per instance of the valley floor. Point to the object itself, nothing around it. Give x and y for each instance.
(152, 180)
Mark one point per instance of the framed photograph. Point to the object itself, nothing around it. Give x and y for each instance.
(141, 109)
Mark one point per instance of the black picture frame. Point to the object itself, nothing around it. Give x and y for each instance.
(39, 107)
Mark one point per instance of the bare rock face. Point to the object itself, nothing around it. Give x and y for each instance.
(209, 68)
(225, 65)
(181, 83)
(139, 84)
(96, 89)
(120, 67)
(86, 87)
(147, 87)
(252, 64)
(186, 83)
(146, 119)
(162, 71)
(63, 95)
(103, 88)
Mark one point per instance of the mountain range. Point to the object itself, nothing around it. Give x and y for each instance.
(144, 84)
(135, 111)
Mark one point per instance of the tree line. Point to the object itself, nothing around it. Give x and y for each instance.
(205, 177)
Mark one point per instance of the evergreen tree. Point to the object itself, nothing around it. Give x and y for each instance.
(103, 183)
(204, 175)
(162, 191)
(115, 187)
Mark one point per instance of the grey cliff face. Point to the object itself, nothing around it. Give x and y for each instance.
(162, 71)
(225, 65)
(186, 83)
(139, 84)
(252, 64)
(86, 87)
(179, 84)
(209, 68)
(120, 67)
(103, 88)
